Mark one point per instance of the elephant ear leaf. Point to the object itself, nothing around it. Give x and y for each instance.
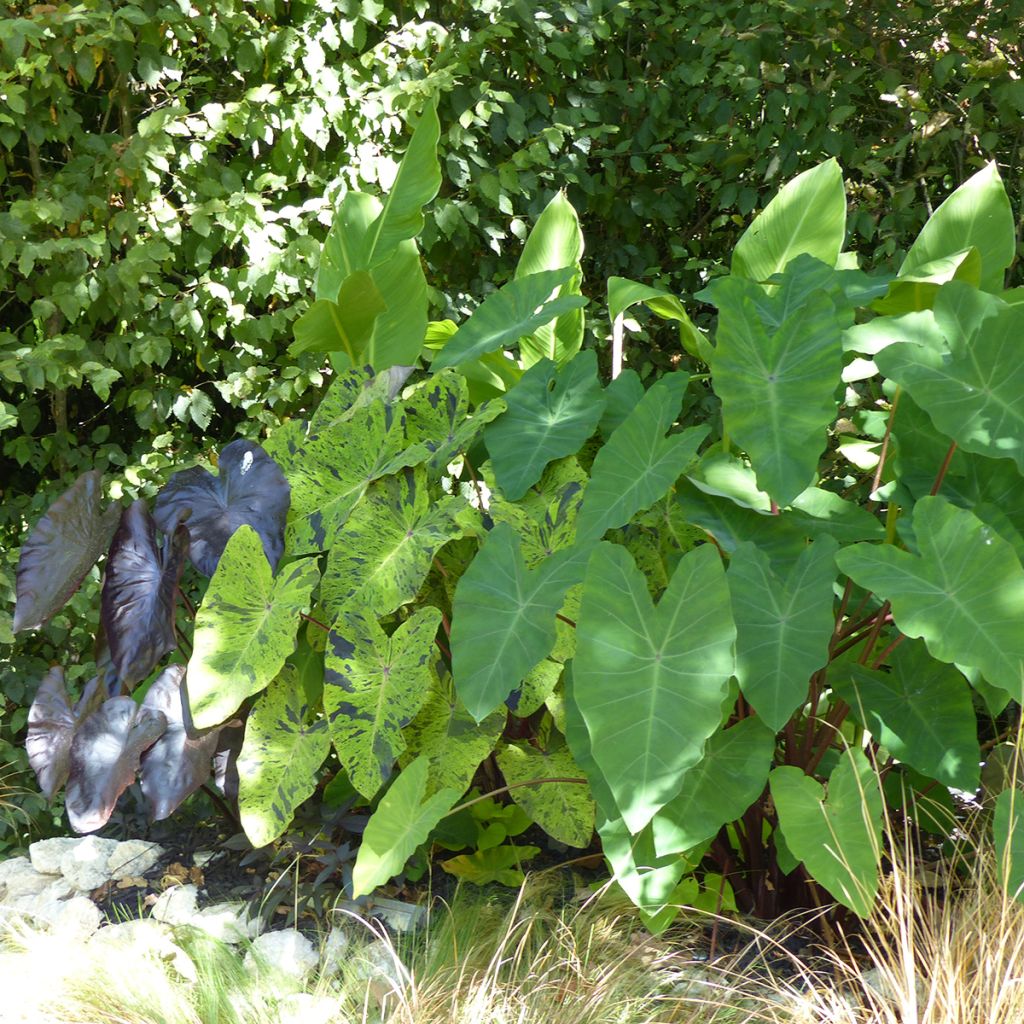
(51, 727)
(105, 757)
(62, 548)
(137, 603)
(181, 760)
(250, 490)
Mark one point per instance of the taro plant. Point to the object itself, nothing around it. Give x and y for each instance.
(726, 618)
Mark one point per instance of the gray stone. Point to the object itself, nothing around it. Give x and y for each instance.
(397, 915)
(84, 865)
(19, 878)
(133, 858)
(336, 949)
(77, 917)
(288, 952)
(378, 962)
(203, 857)
(176, 905)
(226, 922)
(48, 853)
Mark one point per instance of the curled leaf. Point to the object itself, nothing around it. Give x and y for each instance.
(250, 490)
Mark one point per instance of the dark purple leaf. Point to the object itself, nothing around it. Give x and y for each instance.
(105, 757)
(250, 490)
(61, 549)
(51, 727)
(180, 761)
(137, 607)
(225, 764)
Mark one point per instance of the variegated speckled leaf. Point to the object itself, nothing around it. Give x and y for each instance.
(373, 687)
(384, 551)
(565, 810)
(538, 684)
(446, 734)
(279, 760)
(245, 627)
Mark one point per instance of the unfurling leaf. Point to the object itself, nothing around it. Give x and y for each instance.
(105, 757)
(61, 549)
(250, 489)
(181, 760)
(137, 610)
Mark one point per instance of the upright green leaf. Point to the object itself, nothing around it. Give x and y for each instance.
(400, 328)
(963, 594)
(838, 836)
(965, 370)
(548, 415)
(624, 293)
(638, 464)
(373, 687)
(345, 248)
(784, 624)
(650, 681)
(1008, 832)
(245, 627)
(565, 810)
(503, 617)
(921, 712)
(402, 821)
(381, 556)
(277, 766)
(977, 214)
(510, 313)
(345, 324)
(719, 789)
(808, 215)
(555, 241)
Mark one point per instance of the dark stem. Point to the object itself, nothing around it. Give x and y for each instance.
(562, 618)
(877, 478)
(942, 469)
(182, 641)
(225, 808)
(190, 608)
(315, 622)
(881, 659)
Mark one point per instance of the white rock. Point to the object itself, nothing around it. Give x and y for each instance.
(84, 865)
(77, 917)
(287, 951)
(133, 858)
(176, 905)
(304, 1008)
(149, 938)
(226, 922)
(335, 951)
(48, 853)
(203, 857)
(19, 878)
(377, 961)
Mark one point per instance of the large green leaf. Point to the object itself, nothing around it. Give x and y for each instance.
(965, 370)
(510, 313)
(921, 712)
(565, 810)
(838, 836)
(638, 464)
(649, 680)
(963, 594)
(783, 625)
(402, 821)
(624, 293)
(777, 385)
(555, 241)
(245, 627)
(503, 617)
(345, 248)
(400, 329)
(345, 324)
(381, 556)
(719, 789)
(1008, 832)
(373, 687)
(277, 766)
(549, 414)
(977, 214)
(808, 215)
(447, 735)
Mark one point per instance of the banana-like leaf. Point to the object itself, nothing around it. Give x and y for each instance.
(777, 384)
(1008, 833)
(383, 553)
(727, 780)
(565, 810)
(345, 325)
(182, 759)
(400, 328)
(346, 248)
(624, 293)
(245, 627)
(963, 594)
(838, 836)
(137, 602)
(807, 215)
(62, 547)
(548, 415)
(249, 489)
(650, 681)
(512, 312)
(921, 712)
(784, 624)
(374, 685)
(278, 762)
(555, 241)
(105, 756)
(503, 617)
(404, 818)
(977, 214)
(965, 371)
(639, 463)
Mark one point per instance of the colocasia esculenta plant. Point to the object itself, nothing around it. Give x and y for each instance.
(727, 619)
